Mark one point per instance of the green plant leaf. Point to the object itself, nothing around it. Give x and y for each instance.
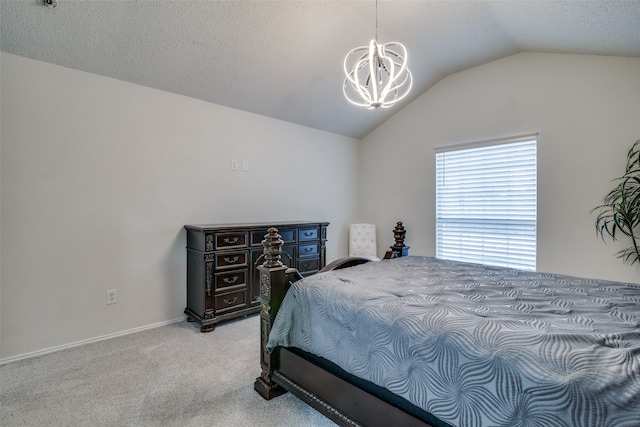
(619, 212)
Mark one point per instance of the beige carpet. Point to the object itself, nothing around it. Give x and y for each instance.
(168, 376)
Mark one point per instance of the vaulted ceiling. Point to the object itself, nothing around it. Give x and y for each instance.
(283, 59)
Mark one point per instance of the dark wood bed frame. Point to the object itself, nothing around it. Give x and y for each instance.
(340, 398)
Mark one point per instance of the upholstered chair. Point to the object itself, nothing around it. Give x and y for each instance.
(362, 240)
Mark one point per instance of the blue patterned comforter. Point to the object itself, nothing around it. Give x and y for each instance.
(476, 345)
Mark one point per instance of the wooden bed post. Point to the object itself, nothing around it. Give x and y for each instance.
(399, 248)
(273, 286)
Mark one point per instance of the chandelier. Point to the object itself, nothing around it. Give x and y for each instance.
(377, 75)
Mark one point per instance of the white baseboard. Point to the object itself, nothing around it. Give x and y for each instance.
(87, 341)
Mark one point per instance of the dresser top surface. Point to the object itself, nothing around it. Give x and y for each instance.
(249, 225)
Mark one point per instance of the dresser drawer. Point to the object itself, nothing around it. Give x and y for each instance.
(224, 281)
(230, 240)
(230, 301)
(308, 234)
(308, 265)
(231, 259)
(308, 250)
(287, 235)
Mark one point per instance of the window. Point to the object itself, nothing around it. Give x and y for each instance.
(486, 202)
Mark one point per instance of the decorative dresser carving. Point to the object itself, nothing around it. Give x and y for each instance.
(222, 280)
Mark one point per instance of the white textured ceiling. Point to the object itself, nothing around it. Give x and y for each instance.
(283, 59)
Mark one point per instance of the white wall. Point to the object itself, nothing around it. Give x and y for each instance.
(98, 178)
(587, 111)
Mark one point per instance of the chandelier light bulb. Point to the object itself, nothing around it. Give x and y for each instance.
(377, 76)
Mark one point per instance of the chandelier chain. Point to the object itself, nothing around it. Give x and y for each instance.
(376, 21)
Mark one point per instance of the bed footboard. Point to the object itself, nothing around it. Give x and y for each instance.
(275, 279)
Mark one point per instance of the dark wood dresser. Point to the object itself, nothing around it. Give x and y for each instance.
(222, 280)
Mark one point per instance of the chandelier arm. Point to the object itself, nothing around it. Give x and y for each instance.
(403, 73)
(398, 94)
(390, 81)
(396, 80)
(362, 88)
(359, 104)
(401, 57)
(346, 59)
(358, 65)
(373, 60)
(403, 95)
(363, 94)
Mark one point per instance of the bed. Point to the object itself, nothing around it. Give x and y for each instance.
(423, 341)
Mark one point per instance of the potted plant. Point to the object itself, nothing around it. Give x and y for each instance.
(619, 213)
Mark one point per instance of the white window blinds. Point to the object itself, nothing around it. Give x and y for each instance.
(486, 202)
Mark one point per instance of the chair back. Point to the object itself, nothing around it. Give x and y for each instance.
(362, 240)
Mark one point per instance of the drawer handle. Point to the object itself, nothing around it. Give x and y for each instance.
(229, 241)
(231, 260)
(230, 301)
(230, 280)
(309, 233)
(308, 249)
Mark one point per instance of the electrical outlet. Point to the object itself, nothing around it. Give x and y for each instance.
(112, 297)
(234, 164)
